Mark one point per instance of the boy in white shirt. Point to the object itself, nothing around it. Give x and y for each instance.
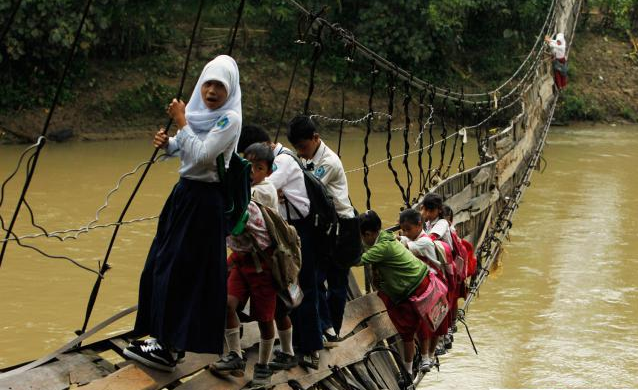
(294, 205)
(327, 167)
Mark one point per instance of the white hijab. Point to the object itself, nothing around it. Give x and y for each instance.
(223, 69)
(560, 39)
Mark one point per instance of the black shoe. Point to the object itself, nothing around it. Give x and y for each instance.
(309, 360)
(151, 353)
(440, 351)
(330, 341)
(229, 364)
(261, 376)
(282, 361)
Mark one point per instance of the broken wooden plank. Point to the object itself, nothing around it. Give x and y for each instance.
(52, 376)
(127, 378)
(193, 362)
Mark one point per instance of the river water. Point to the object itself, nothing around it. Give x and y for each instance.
(561, 311)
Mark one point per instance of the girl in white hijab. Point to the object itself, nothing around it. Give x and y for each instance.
(559, 50)
(182, 296)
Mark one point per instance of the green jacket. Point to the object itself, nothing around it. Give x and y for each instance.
(400, 271)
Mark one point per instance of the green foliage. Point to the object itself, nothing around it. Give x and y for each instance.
(149, 98)
(618, 15)
(574, 106)
(41, 36)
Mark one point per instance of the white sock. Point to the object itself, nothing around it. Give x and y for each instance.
(232, 338)
(331, 331)
(265, 350)
(285, 339)
(408, 366)
(425, 358)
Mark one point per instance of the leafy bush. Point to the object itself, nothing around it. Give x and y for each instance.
(40, 38)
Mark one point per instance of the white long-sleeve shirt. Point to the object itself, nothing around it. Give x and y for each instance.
(327, 167)
(198, 151)
(287, 176)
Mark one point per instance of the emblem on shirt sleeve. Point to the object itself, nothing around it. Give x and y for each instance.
(320, 172)
(274, 167)
(222, 122)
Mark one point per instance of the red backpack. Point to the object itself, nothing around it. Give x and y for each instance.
(461, 257)
(471, 263)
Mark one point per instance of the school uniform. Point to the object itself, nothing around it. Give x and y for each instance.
(559, 49)
(327, 167)
(441, 228)
(266, 194)
(401, 275)
(288, 177)
(182, 293)
(250, 276)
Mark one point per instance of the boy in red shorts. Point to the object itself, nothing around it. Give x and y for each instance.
(401, 275)
(250, 276)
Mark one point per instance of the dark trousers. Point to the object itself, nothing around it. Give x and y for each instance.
(306, 329)
(332, 300)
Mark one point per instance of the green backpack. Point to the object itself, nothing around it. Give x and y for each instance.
(236, 187)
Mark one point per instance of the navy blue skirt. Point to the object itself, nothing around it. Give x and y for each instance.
(182, 299)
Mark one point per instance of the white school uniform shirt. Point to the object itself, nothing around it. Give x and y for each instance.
(266, 194)
(198, 150)
(441, 228)
(327, 167)
(287, 176)
(423, 246)
(558, 49)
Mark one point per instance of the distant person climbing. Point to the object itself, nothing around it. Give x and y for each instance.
(182, 295)
(559, 49)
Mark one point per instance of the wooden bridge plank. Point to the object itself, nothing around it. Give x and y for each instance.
(52, 376)
(193, 363)
(127, 378)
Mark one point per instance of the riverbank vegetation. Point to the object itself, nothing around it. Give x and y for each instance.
(131, 53)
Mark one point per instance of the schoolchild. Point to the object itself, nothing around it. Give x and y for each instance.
(559, 50)
(439, 229)
(187, 259)
(251, 277)
(435, 225)
(448, 214)
(327, 167)
(401, 276)
(294, 206)
(421, 245)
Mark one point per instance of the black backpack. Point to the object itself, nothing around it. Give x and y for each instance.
(322, 214)
(236, 186)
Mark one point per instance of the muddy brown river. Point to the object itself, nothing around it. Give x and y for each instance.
(560, 311)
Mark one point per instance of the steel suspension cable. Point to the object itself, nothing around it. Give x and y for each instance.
(240, 12)
(54, 104)
(428, 180)
(366, 149)
(316, 54)
(407, 99)
(420, 143)
(388, 145)
(105, 265)
(300, 41)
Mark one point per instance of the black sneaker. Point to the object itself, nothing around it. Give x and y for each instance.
(151, 353)
(230, 364)
(309, 360)
(282, 361)
(330, 341)
(261, 376)
(440, 350)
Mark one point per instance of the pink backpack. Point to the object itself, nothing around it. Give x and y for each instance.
(432, 305)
